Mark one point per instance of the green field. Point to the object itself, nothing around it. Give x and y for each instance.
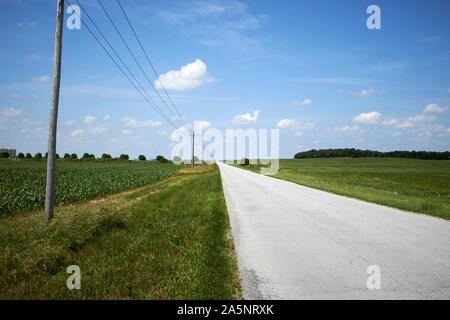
(23, 182)
(169, 240)
(421, 186)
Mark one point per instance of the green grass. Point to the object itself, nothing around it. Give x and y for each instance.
(23, 182)
(421, 186)
(164, 241)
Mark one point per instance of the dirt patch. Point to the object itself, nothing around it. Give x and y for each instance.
(198, 169)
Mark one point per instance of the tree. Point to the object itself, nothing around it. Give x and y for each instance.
(142, 157)
(66, 156)
(85, 155)
(74, 156)
(20, 155)
(124, 157)
(4, 155)
(161, 159)
(38, 155)
(106, 156)
(28, 156)
(176, 159)
(57, 156)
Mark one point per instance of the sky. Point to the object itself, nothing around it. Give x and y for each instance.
(312, 69)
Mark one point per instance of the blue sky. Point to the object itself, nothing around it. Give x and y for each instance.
(310, 68)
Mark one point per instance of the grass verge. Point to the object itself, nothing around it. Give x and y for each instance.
(165, 241)
(421, 186)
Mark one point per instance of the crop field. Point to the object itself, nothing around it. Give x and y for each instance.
(421, 186)
(167, 240)
(23, 182)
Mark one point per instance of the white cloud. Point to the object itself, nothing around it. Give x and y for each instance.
(77, 132)
(107, 117)
(294, 124)
(189, 76)
(41, 79)
(89, 119)
(10, 112)
(98, 129)
(305, 101)
(70, 122)
(434, 108)
(367, 118)
(340, 91)
(422, 118)
(344, 129)
(367, 93)
(246, 118)
(126, 132)
(130, 122)
(390, 122)
(201, 125)
(162, 133)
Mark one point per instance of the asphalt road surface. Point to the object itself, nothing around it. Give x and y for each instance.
(294, 242)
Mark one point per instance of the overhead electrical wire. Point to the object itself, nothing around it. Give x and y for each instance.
(154, 105)
(149, 61)
(136, 60)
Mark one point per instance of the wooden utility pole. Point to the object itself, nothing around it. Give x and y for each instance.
(193, 139)
(51, 160)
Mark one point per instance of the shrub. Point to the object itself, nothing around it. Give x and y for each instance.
(142, 157)
(124, 157)
(161, 159)
(20, 155)
(28, 156)
(4, 155)
(38, 155)
(74, 156)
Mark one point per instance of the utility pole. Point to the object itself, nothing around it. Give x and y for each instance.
(51, 160)
(193, 139)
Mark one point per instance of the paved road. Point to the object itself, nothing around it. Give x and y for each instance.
(294, 242)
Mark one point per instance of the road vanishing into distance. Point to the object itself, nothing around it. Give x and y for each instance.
(294, 242)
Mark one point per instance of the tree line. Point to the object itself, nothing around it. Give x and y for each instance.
(86, 156)
(358, 153)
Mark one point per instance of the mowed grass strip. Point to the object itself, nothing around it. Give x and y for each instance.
(421, 186)
(166, 241)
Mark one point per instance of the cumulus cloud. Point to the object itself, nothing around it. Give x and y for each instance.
(70, 122)
(367, 118)
(130, 122)
(434, 108)
(41, 79)
(305, 101)
(201, 125)
(409, 122)
(10, 112)
(365, 92)
(294, 124)
(246, 118)
(126, 132)
(189, 76)
(344, 129)
(390, 122)
(77, 132)
(89, 119)
(98, 129)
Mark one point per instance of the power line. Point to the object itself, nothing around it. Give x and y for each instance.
(124, 64)
(134, 57)
(148, 59)
(124, 73)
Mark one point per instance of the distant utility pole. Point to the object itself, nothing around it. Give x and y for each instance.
(193, 139)
(51, 160)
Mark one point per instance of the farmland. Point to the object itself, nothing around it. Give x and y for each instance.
(421, 186)
(167, 240)
(23, 182)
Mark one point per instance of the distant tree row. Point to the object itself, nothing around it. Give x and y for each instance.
(86, 156)
(357, 153)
